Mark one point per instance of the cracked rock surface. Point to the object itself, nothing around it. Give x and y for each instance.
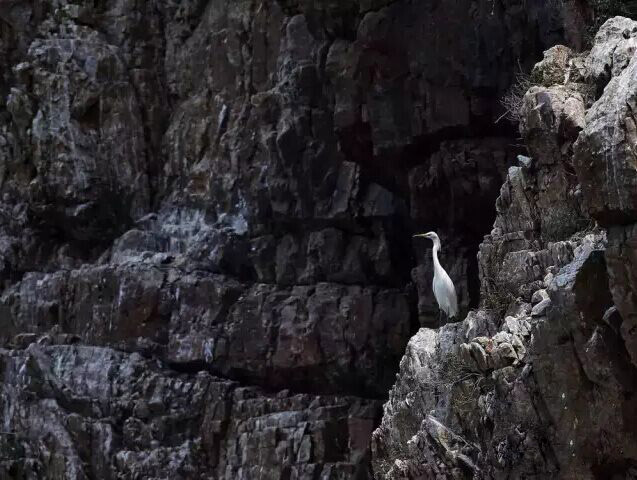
(91, 412)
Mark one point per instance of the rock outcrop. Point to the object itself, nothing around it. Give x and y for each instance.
(86, 412)
(540, 381)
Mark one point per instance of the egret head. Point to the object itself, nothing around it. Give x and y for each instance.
(433, 236)
(429, 235)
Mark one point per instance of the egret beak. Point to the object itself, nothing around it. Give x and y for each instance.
(421, 235)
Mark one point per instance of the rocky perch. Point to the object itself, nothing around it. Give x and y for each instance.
(206, 264)
(541, 380)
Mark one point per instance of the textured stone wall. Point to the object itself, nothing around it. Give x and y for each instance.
(206, 210)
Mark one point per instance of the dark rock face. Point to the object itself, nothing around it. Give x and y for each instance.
(605, 157)
(540, 381)
(326, 338)
(88, 412)
(605, 162)
(206, 211)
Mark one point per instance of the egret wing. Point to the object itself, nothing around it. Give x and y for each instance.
(445, 294)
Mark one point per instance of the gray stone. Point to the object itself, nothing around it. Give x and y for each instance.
(539, 296)
(604, 153)
(613, 49)
(79, 397)
(540, 309)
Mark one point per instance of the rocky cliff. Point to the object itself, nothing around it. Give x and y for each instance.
(206, 260)
(540, 381)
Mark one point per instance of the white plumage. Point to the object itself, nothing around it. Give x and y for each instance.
(443, 288)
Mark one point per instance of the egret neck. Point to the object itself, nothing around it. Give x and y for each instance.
(434, 251)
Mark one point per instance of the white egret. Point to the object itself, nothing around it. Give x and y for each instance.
(443, 288)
